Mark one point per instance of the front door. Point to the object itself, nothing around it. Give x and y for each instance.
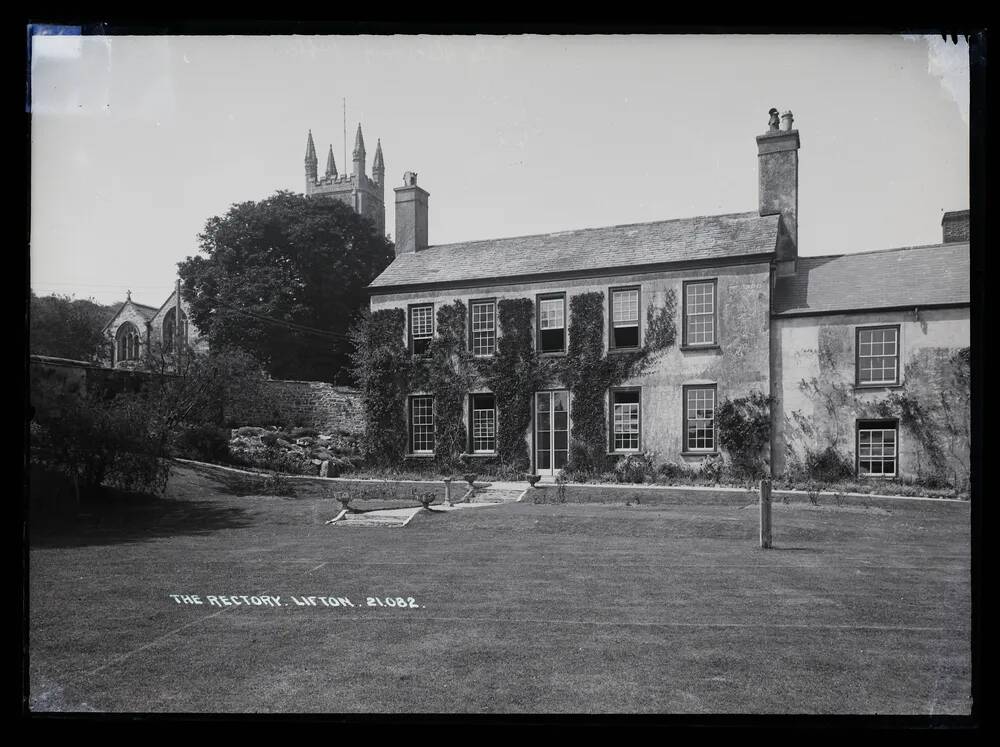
(551, 431)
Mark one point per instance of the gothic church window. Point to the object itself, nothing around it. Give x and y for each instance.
(127, 343)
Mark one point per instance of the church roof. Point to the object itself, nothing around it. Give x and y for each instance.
(146, 312)
(890, 278)
(590, 249)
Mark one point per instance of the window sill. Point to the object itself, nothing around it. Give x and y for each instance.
(481, 455)
(859, 387)
(694, 348)
(553, 354)
(612, 351)
(699, 453)
(624, 453)
(420, 455)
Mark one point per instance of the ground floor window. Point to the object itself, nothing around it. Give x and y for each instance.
(551, 431)
(877, 448)
(625, 405)
(699, 418)
(483, 414)
(422, 425)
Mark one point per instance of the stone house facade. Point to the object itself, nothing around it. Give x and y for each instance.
(748, 314)
(870, 359)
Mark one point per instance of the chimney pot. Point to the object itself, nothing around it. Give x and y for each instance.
(955, 226)
(786, 121)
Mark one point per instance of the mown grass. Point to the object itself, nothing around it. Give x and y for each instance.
(522, 608)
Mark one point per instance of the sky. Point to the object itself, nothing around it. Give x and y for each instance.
(137, 141)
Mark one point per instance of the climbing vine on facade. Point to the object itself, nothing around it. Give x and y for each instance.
(386, 374)
(744, 425)
(381, 365)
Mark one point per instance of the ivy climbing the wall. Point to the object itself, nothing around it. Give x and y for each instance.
(386, 374)
(744, 425)
(381, 369)
(513, 375)
(588, 373)
(448, 372)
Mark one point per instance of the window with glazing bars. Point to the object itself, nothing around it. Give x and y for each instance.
(877, 449)
(699, 416)
(421, 328)
(699, 313)
(878, 355)
(625, 420)
(422, 425)
(625, 318)
(552, 324)
(484, 424)
(484, 327)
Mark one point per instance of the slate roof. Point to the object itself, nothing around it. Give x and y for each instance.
(687, 239)
(910, 276)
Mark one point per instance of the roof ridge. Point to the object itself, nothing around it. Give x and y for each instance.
(746, 213)
(883, 251)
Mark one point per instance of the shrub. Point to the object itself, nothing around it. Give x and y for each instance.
(250, 430)
(713, 468)
(304, 433)
(828, 465)
(744, 426)
(672, 471)
(634, 468)
(207, 443)
(120, 442)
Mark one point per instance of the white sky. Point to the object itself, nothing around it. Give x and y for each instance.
(136, 141)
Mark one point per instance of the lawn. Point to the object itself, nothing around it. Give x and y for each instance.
(515, 608)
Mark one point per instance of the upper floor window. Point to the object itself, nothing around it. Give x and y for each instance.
(700, 313)
(699, 418)
(483, 410)
(552, 323)
(483, 329)
(421, 328)
(624, 318)
(878, 355)
(422, 425)
(625, 415)
(877, 448)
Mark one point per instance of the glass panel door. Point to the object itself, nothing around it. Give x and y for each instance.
(551, 431)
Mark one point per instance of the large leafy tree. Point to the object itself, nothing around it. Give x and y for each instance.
(65, 327)
(301, 261)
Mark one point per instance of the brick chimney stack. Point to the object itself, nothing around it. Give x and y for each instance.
(778, 183)
(411, 216)
(955, 226)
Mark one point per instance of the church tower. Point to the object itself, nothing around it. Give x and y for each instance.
(365, 195)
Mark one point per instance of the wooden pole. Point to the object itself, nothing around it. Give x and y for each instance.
(765, 513)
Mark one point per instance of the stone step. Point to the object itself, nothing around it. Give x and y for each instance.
(496, 496)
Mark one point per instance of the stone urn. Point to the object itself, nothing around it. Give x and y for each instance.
(533, 480)
(470, 477)
(426, 499)
(345, 499)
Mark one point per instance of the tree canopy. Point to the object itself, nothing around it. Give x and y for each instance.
(301, 261)
(64, 327)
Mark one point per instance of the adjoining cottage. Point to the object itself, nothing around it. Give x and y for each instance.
(709, 308)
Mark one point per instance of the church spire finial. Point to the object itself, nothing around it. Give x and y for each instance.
(310, 148)
(128, 295)
(331, 166)
(359, 144)
(359, 154)
(311, 163)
